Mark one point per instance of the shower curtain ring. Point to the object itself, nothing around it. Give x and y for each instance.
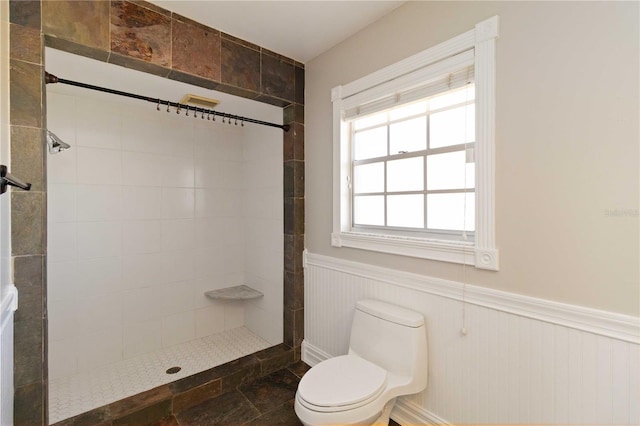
(178, 110)
(187, 114)
(236, 121)
(168, 106)
(158, 106)
(208, 115)
(195, 112)
(242, 122)
(229, 119)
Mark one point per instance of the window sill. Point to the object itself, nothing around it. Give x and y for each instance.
(440, 250)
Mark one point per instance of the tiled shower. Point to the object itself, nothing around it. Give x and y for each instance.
(160, 43)
(147, 211)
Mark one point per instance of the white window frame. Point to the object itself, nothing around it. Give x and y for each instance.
(482, 252)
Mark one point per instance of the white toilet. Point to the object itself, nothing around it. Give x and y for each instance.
(387, 358)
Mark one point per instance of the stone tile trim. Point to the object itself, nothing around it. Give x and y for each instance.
(173, 398)
(143, 34)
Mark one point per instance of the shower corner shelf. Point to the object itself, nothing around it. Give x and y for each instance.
(239, 292)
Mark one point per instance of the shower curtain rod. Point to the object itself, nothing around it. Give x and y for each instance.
(50, 78)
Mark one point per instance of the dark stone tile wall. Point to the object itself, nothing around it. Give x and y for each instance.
(84, 22)
(141, 36)
(195, 49)
(241, 66)
(28, 212)
(140, 33)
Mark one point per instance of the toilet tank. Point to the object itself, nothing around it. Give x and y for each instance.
(393, 338)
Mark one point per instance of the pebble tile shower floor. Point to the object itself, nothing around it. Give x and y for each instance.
(78, 393)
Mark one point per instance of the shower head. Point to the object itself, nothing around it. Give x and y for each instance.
(56, 144)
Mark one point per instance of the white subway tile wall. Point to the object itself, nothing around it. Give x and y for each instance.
(146, 212)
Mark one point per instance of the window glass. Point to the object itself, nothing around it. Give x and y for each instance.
(408, 136)
(405, 175)
(368, 210)
(370, 143)
(452, 127)
(447, 171)
(368, 178)
(459, 96)
(371, 120)
(408, 110)
(405, 210)
(446, 211)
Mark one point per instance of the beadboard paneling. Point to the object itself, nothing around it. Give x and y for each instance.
(511, 366)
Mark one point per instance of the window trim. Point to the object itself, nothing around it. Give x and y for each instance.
(482, 252)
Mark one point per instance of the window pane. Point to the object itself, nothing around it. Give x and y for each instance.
(370, 143)
(410, 135)
(446, 211)
(447, 171)
(371, 120)
(408, 110)
(368, 210)
(405, 211)
(452, 127)
(458, 96)
(405, 175)
(368, 178)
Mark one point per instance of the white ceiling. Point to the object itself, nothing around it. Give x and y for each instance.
(300, 30)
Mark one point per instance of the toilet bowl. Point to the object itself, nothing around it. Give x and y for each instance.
(387, 358)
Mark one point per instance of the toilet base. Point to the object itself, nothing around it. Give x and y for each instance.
(383, 420)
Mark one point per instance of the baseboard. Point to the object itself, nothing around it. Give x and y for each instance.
(405, 412)
(312, 355)
(604, 323)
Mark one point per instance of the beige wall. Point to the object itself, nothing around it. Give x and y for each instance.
(567, 132)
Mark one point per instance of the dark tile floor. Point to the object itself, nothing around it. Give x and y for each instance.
(266, 401)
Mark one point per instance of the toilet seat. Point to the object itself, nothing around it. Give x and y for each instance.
(341, 383)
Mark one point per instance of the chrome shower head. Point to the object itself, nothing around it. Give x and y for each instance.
(55, 143)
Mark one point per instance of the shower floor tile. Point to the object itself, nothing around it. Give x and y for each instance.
(72, 395)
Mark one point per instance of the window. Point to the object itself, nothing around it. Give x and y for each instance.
(413, 154)
(413, 169)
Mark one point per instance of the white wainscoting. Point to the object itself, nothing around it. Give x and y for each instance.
(524, 360)
(7, 307)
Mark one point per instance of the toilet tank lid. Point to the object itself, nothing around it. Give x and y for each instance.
(389, 312)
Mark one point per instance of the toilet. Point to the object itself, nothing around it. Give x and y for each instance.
(387, 358)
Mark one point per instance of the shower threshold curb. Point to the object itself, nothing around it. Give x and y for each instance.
(175, 397)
